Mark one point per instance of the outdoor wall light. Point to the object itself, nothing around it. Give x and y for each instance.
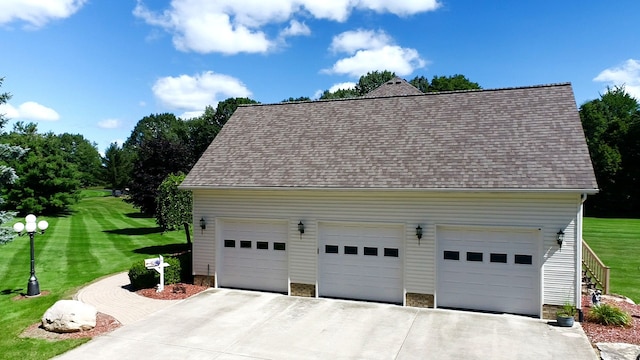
(301, 228)
(31, 227)
(203, 223)
(560, 237)
(419, 233)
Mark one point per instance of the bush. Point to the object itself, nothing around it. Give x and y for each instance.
(606, 314)
(172, 272)
(143, 278)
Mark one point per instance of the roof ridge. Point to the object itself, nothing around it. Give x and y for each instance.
(410, 95)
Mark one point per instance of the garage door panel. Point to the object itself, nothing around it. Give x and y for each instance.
(504, 280)
(352, 262)
(254, 256)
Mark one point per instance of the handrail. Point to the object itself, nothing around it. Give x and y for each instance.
(595, 268)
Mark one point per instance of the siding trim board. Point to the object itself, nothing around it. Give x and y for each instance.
(542, 212)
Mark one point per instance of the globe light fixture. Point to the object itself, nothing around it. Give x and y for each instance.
(31, 227)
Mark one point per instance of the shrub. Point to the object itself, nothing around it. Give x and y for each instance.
(606, 314)
(143, 278)
(172, 272)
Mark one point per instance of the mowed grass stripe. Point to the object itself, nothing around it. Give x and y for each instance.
(97, 239)
(15, 264)
(617, 244)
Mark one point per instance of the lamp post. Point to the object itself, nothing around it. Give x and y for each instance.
(30, 226)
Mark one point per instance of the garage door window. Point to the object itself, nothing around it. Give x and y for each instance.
(474, 256)
(498, 258)
(331, 249)
(245, 244)
(390, 252)
(351, 250)
(279, 246)
(523, 259)
(452, 255)
(370, 251)
(262, 245)
(229, 243)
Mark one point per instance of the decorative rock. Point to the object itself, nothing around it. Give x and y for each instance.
(618, 351)
(69, 316)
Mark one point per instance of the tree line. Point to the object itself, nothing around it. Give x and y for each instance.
(52, 168)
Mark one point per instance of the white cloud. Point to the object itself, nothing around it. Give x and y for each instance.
(371, 51)
(296, 28)
(399, 7)
(627, 74)
(37, 13)
(193, 93)
(334, 88)
(190, 114)
(29, 111)
(236, 26)
(109, 124)
(342, 86)
(351, 41)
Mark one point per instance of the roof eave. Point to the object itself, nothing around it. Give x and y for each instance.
(587, 191)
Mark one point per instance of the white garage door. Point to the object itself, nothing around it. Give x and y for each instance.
(253, 255)
(490, 270)
(360, 262)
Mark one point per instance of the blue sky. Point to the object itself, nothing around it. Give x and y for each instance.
(96, 67)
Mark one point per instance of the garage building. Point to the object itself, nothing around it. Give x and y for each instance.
(456, 199)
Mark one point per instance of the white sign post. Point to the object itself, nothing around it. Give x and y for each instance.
(158, 265)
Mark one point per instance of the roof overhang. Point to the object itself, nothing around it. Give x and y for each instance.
(469, 190)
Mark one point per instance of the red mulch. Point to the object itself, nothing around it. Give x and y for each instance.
(106, 323)
(617, 334)
(173, 292)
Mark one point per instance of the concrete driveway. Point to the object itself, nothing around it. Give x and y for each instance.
(232, 324)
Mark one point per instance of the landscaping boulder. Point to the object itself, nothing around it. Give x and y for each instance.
(67, 316)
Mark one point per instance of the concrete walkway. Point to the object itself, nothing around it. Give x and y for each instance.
(111, 296)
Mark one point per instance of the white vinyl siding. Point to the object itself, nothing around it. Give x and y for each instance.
(549, 212)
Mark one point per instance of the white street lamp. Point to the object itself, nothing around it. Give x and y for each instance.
(33, 288)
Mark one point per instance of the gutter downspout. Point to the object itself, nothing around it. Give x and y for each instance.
(578, 287)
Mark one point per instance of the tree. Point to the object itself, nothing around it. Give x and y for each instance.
(116, 167)
(339, 94)
(365, 84)
(7, 174)
(174, 206)
(226, 108)
(444, 83)
(154, 126)
(48, 182)
(301, 98)
(84, 154)
(162, 144)
(372, 81)
(611, 125)
(156, 159)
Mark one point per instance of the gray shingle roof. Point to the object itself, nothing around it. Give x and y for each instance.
(394, 87)
(526, 138)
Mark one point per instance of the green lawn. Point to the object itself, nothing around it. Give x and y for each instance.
(103, 235)
(617, 244)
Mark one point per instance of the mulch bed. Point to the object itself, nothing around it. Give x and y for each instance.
(173, 292)
(613, 334)
(107, 323)
(104, 324)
